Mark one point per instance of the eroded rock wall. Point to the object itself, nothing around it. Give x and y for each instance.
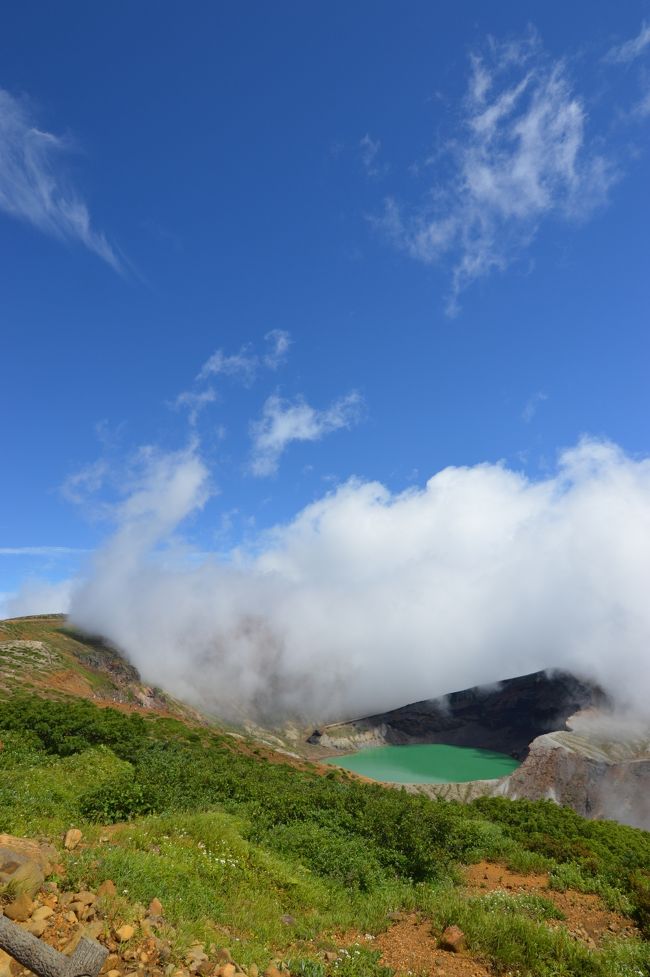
(504, 717)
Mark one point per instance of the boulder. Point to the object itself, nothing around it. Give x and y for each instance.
(44, 855)
(24, 863)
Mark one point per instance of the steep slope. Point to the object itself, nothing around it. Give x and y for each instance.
(43, 654)
(504, 717)
(598, 771)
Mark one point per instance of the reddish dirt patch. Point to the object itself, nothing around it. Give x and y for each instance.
(587, 918)
(65, 681)
(409, 947)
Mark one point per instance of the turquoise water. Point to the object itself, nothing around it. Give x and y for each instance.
(427, 763)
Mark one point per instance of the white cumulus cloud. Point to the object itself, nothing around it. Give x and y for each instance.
(368, 599)
(284, 421)
(246, 364)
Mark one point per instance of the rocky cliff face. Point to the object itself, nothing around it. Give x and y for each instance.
(575, 751)
(506, 717)
(600, 773)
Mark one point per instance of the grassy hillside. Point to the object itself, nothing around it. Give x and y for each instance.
(45, 655)
(235, 846)
(275, 859)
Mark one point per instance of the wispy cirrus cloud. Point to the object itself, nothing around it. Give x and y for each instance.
(625, 54)
(370, 149)
(521, 156)
(245, 364)
(33, 185)
(532, 404)
(194, 402)
(279, 341)
(86, 481)
(40, 551)
(630, 50)
(285, 421)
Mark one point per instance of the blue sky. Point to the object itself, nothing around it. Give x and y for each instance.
(315, 241)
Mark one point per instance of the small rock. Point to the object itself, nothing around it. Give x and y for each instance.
(36, 927)
(44, 912)
(5, 964)
(287, 920)
(453, 939)
(196, 957)
(107, 888)
(224, 955)
(331, 956)
(72, 838)
(85, 897)
(71, 917)
(93, 930)
(273, 971)
(80, 909)
(20, 909)
(156, 908)
(163, 949)
(113, 973)
(253, 970)
(227, 970)
(125, 933)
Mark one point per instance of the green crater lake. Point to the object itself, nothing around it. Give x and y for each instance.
(427, 763)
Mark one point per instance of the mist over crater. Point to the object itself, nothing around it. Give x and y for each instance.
(367, 600)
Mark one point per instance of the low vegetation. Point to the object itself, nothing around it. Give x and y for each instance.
(279, 860)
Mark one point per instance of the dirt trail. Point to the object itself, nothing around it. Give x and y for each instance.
(587, 918)
(409, 947)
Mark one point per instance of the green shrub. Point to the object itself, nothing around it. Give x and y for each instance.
(640, 892)
(116, 800)
(329, 854)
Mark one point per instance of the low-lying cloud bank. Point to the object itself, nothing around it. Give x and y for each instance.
(367, 599)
